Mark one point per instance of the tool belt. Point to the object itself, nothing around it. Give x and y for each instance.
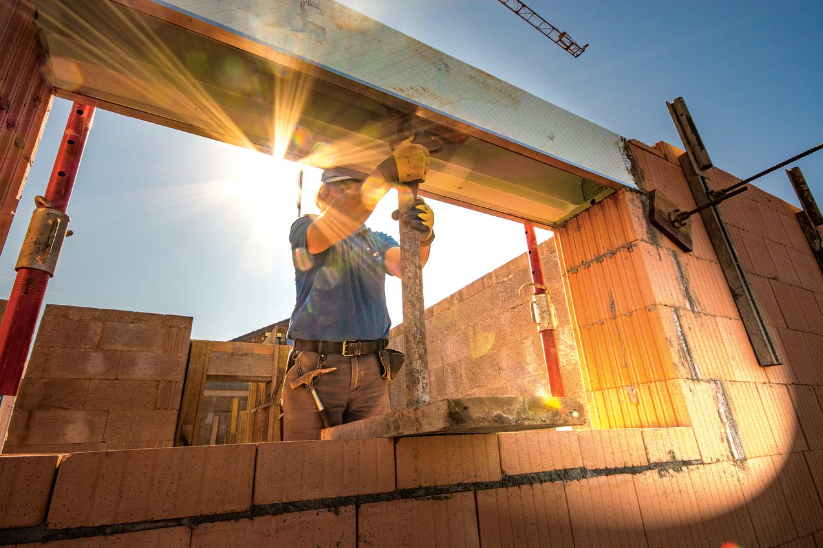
(345, 348)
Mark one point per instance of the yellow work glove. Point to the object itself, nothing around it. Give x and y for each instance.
(420, 218)
(409, 163)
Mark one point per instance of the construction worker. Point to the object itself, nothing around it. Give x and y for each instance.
(340, 321)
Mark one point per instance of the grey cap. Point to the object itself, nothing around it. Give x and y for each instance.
(332, 176)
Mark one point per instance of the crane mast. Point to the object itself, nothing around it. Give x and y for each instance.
(554, 34)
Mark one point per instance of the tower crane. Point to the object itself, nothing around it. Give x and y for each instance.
(555, 35)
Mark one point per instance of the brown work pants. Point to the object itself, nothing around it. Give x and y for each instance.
(355, 391)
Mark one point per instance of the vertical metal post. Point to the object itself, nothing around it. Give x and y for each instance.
(414, 323)
(809, 217)
(694, 163)
(546, 335)
(29, 290)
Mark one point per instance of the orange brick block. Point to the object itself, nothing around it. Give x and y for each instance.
(789, 306)
(538, 451)
(801, 496)
(781, 258)
(750, 416)
(327, 527)
(612, 448)
(782, 418)
(309, 470)
(814, 459)
(804, 542)
(447, 520)
(170, 537)
(742, 364)
(670, 444)
(671, 516)
(604, 511)
(446, 460)
(708, 288)
(723, 511)
(151, 484)
(767, 505)
(709, 430)
(809, 413)
(25, 487)
(650, 405)
(530, 515)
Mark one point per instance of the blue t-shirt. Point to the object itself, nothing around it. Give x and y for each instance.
(340, 291)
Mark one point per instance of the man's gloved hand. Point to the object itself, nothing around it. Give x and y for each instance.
(420, 218)
(409, 163)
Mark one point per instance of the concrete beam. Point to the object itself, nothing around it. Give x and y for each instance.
(466, 416)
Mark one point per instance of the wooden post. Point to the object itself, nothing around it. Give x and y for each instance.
(235, 406)
(414, 323)
(215, 424)
(188, 420)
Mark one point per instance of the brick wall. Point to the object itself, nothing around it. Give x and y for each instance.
(100, 379)
(631, 488)
(659, 340)
(481, 341)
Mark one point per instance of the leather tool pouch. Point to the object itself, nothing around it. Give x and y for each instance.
(391, 361)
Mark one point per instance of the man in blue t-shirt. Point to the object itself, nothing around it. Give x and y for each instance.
(340, 319)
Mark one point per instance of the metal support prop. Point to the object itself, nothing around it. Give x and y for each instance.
(809, 217)
(694, 163)
(29, 290)
(546, 335)
(414, 323)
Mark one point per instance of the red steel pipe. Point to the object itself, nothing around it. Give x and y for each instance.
(546, 335)
(29, 290)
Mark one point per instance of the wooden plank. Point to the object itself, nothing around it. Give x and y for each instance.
(283, 352)
(235, 407)
(188, 421)
(215, 424)
(241, 362)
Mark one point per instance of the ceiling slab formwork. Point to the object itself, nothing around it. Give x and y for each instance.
(317, 82)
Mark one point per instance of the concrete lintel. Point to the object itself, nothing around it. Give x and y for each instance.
(477, 415)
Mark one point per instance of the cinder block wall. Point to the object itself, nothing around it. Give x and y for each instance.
(481, 340)
(100, 379)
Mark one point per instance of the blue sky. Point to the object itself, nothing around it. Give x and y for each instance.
(170, 223)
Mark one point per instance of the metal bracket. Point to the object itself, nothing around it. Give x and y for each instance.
(541, 308)
(662, 215)
(44, 239)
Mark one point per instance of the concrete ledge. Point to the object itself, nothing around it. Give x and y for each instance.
(466, 416)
